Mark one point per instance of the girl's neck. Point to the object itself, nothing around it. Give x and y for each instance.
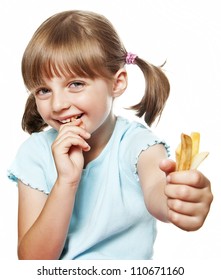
(99, 139)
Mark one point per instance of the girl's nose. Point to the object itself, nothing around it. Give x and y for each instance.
(59, 102)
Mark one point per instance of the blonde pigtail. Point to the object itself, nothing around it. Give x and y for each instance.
(157, 90)
(31, 120)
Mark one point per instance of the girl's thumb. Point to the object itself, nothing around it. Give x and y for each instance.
(167, 166)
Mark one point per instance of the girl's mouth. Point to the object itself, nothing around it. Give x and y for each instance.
(76, 117)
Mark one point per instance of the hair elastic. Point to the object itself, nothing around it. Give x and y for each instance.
(130, 58)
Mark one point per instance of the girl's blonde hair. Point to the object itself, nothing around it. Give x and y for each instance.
(84, 44)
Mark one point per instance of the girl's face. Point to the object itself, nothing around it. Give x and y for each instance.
(61, 98)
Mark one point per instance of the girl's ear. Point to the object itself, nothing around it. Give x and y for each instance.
(120, 82)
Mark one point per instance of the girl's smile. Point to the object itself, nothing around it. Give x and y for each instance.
(61, 99)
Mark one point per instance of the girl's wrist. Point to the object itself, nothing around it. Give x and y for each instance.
(66, 185)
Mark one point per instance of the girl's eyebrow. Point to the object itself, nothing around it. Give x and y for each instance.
(75, 78)
(42, 85)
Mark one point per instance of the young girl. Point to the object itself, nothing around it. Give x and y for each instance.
(93, 185)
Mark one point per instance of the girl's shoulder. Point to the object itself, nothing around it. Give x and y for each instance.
(136, 136)
(37, 147)
(135, 139)
(33, 163)
(38, 142)
(44, 137)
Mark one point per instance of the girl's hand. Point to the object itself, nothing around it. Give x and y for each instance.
(189, 196)
(67, 152)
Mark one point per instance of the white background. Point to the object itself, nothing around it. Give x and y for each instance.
(186, 33)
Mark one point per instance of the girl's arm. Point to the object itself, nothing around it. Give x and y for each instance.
(43, 221)
(183, 198)
(153, 181)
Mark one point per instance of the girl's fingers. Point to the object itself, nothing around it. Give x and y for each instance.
(66, 142)
(186, 208)
(185, 222)
(70, 134)
(184, 192)
(192, 178)
(77, 141)
(167, 166)
(73, 130)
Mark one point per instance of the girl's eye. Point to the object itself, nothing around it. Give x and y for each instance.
(42, 93)
(76, 86)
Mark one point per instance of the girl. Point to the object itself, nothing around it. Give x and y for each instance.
(93, 185)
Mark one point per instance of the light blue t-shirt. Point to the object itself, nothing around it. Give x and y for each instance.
(110, 220)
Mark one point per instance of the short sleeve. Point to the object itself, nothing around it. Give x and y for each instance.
(31, 163)
(138, 140)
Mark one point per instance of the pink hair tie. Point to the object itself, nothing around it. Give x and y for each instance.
(130, 58)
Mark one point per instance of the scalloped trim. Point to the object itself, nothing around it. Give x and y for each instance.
(156, 142)
(14, 177)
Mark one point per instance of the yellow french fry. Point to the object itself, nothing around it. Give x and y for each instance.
(198, 159)
(187, 153)
(177, 154)
(185, 156)
(195, 143)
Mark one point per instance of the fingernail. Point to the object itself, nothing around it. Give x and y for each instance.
(87, 148)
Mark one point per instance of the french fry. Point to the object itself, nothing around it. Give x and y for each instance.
(187, 152)
(195, 136)
(177, 153)
(185, 155)
(198, 159)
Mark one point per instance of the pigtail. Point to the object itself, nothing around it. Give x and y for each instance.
(156, 92)
(31, 120)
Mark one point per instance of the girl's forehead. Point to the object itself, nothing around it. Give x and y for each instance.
(63, 64)
(64, 71)
(60, 69)
(62, 78)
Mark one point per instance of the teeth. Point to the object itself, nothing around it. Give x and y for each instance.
(70, 119)
(66, 121)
